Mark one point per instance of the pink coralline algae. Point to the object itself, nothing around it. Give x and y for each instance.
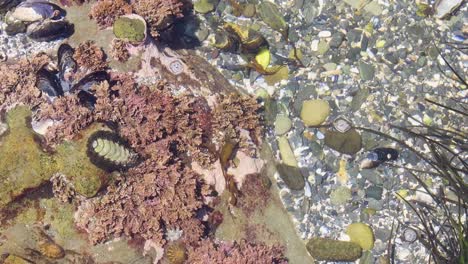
(211, 252)
(144, 203)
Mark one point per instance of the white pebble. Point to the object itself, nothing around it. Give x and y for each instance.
(324, 34)
(314, 45)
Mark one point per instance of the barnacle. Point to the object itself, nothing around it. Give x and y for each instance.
(176, 253)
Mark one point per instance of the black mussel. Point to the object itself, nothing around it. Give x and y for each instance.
(379, 156)
(50, 30)
(48, 83)
(36, 10)
(89, 80)
(251, 41)
(87, 99)
(225, 42)
(67, 65)
(107, 150)
(6, 5)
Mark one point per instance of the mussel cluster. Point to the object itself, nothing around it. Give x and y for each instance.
(57, 82)
(39, 19)
(239, 39)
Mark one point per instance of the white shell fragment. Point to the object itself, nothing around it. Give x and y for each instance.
(341, 124)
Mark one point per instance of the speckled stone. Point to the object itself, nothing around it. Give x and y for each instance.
(282, 125)
(366, 71)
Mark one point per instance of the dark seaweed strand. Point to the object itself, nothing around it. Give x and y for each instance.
(102, 162)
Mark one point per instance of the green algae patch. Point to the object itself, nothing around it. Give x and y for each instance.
(131, 29)
(75, 164)
(23, 164)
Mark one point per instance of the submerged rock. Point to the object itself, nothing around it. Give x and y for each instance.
(204, 6)
(361, 234)
(314, 112)
(130, 28)
(349, 142)
(25, 165)
(282, 124)
(340, 195)
(333, 250)
(292, 176)
(271, 15)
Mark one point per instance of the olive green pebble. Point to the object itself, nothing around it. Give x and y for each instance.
(282, 125)
(340, 195)
(349, 142)
(129, 29)
(314, 112)
(361, 234)
(287, 154)
(203, 6)
(325, 249)
(270, 14)
(292, 176)
(249, 10)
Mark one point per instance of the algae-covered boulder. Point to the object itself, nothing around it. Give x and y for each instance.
(23, 163)
(361, 234)
(333, 250)
(314, 112)
(74, 163)
(349, 142)
(131, 28)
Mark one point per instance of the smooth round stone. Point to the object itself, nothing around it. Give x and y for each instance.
(374, 192)
(286, 152)
(249, 10)
(361, 234)
(336, 40)
(323, 47)
(324, 34)
(330, 66)
(282, 125)
(291, 176)
(366, 71)
(203, 6)
(340, 196)
(314, 112)
(348, 143)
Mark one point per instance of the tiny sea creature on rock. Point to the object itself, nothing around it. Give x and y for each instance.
(379, 156)
(410, 235)
(107, 150)
(176, 253)
(341, 124)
